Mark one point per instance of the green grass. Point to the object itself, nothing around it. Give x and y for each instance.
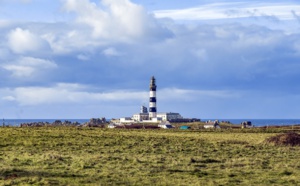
(94, 156)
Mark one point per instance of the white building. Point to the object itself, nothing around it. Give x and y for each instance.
(126, 120)
(163, 116)
(152, 120)
(140, 117)
(143, 115)
(167, 116)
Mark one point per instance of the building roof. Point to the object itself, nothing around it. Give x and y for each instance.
(159, 113)
(167, 113)
(141, 114)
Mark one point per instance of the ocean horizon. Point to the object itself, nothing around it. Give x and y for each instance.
(255, 122)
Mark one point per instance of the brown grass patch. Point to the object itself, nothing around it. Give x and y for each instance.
(287, 139)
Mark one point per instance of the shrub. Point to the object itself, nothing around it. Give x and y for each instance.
(287, 139)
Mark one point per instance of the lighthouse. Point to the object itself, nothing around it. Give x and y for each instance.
(153, 116)
(152, 101)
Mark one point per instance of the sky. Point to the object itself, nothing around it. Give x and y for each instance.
(80, 59)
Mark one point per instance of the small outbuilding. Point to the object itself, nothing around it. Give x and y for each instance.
(246, 124)
(165, 125)
(111, 126)
(185, 127)
(212, 124)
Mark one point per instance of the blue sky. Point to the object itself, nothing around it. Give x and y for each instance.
(90, 58)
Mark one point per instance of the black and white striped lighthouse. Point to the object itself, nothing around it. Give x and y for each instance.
(152, 101)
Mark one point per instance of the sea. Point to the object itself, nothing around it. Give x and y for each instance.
(255, 122)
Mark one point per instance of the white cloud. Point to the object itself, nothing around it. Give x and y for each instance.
(69, 93)
(29, 66)
(111, 52)
(296, 16)
(21, 1)
(230, 10)
(20, 71)
(22, 41)
(4, 53)
(4, 23)
(63, 93)
(26, 1)
(9, 98)
(100, 24)
(83, 57)
(115, 20)
(200, 54)
(175, 94)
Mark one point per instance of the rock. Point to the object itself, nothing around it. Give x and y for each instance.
(96, 122)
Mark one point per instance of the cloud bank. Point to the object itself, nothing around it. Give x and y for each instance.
(225, 10)
(209, 60)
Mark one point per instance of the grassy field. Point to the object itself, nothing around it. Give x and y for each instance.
(94, 156)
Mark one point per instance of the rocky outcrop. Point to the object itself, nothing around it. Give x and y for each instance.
(96, 122)
(45, 124)
(34, 124)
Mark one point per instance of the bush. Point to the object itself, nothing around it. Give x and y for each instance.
(287, 139)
